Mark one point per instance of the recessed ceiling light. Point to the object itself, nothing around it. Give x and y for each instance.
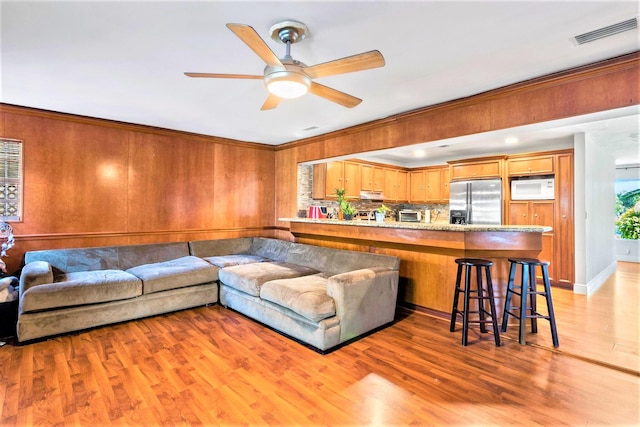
(419, 153)
(511, 140)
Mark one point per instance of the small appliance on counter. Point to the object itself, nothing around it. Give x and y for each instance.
(317, 212)
(407, 215)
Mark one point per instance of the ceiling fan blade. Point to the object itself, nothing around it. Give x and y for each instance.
(271, 102)
(362, 61)
(251, 38)
(224, 76)
(334, 95)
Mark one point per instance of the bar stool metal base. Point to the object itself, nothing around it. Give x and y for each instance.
(528, 292)
(480, 294)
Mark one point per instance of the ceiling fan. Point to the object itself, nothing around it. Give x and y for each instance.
(289, 78)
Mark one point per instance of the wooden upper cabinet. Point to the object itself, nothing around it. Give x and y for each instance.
(430, 185)
(366, 177)
(352, 180)
(444, 185)
(343, 175)
(489, 167)
(378, 178)
(334, 178)
(540, 165)
(403, 183)
(416, 186)
(433, 182)
(395, 185)
(372, 178)
(318, 190)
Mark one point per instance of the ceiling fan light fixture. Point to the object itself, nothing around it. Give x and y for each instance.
(287, 84)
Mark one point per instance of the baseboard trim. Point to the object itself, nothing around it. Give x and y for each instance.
(594, 284)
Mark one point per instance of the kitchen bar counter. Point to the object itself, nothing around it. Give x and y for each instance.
(427, 251)
(436, 226)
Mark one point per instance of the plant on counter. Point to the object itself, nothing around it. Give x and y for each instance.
(380, 213)
(340, 192)
(347, 209)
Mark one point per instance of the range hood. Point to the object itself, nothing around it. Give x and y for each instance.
(376, 196)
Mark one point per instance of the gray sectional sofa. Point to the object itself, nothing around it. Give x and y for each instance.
(323, 297)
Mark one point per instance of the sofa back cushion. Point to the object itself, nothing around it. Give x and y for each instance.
(108, 258)
(335, 261)
(211, 248)
(273, 249)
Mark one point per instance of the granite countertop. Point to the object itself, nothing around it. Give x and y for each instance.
(422, 226)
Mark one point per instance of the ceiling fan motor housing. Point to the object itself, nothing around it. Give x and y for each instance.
(289, 82)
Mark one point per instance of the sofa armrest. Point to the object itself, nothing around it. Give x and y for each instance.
(365, 299)
(35, 273)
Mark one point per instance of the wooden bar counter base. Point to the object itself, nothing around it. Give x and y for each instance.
(427, 251)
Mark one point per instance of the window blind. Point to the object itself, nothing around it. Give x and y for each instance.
(10, 179)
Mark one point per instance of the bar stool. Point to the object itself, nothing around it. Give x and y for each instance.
(528, 292)
(480, 294)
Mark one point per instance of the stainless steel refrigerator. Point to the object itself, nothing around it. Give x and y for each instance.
(476, 202)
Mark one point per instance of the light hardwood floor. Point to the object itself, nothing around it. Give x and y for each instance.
(212, 366)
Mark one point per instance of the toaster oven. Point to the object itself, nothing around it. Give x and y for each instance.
(409, 216)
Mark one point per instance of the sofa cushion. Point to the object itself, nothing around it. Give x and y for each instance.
(81, 288)
(250, 277)
(176, 273)
(306, 295)
(229, 260)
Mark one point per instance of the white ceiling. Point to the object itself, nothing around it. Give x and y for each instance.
(125, 61)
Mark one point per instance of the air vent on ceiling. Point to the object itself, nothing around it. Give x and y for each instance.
(630, 24)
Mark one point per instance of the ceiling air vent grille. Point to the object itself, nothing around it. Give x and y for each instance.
(630, 24)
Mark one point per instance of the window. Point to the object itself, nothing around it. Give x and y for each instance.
(10, 179)
(627, 189)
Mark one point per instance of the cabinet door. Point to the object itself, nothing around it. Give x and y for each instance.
(352, 181)
(390, 184)
(366, 177)
(519, 213)
(378, 179)
(547, 254)
(444, 182)
(564, 232)
(485, 169)
(542, 165)
(334, 178)
(402, 186)
(416, 186)
(542, 213)
(432, 185)
(319, 176)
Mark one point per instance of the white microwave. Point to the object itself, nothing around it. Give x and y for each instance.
(533, 189)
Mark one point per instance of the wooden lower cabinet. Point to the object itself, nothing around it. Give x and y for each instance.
(537, 212)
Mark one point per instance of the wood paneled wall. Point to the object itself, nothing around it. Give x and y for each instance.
(597, 87)
(93, 182)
